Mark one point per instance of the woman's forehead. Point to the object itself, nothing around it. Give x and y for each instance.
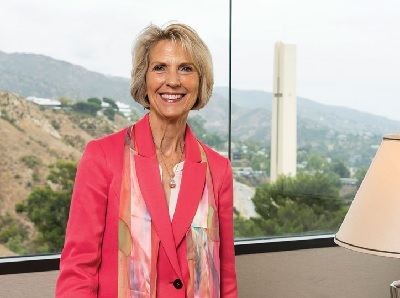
(170, 48)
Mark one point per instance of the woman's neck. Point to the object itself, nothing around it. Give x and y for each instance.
(169, 134)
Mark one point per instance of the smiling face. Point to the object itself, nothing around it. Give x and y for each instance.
(172, 80)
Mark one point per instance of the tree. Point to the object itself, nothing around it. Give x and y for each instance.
(47, 207)
(315, 163)
(94, 100)
(340, 168)
(111, 102)
(13, 234)
(109, 113)
(65, 101)
(62, 174)
(90, 108)
(48, 210)
(305, 203)
(260, 163)
(246, 228)
(360, 175)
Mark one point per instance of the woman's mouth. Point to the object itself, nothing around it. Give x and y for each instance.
(171, 98)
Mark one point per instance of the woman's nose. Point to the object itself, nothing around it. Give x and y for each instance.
(173, 79)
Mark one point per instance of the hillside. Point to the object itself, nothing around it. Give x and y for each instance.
(341, 119)
(35, 137)
(331, 131)
(5, 252)
(323, 129)
(46, 134)
(42, 76)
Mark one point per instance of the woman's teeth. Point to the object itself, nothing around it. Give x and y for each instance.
(171, 96)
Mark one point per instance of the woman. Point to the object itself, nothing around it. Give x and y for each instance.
(129, 235)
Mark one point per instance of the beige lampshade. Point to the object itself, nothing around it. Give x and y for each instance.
(372, 224)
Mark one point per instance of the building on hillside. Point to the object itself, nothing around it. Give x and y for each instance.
(124, 109)
(46, 102)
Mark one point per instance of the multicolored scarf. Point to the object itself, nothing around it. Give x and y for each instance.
(138, 242)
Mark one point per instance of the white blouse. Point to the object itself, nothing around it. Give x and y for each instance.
(173, 198)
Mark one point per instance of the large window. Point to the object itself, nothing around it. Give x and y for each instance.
(60, 57)
(346, 69)
(57, 57)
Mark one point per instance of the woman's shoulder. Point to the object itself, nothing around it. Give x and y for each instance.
(107, 150)
(109, 143)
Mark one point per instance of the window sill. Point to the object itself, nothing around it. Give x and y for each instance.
(41, 263)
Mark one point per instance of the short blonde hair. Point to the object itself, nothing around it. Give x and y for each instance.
(191, 42)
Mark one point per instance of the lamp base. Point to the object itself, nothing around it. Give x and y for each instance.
(395, 289)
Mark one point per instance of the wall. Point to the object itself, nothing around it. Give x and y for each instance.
(325, 272)
(320, 273)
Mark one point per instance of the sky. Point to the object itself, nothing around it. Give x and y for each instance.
(348, 51)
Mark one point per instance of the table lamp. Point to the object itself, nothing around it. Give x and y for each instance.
(372, 224)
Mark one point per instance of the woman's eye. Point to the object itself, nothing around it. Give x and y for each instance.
(158, 68)
(186, 68)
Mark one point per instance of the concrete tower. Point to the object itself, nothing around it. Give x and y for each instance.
(284, 112)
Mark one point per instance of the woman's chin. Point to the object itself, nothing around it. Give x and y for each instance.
(171, 115)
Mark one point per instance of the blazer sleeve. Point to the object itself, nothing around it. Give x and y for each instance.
(227, 249)
(81, 256)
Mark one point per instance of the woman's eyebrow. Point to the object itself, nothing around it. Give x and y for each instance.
(158, 62)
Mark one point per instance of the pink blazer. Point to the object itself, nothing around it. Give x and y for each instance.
(88, 266)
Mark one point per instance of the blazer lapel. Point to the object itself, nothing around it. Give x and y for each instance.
(147, 170)
(192, 185)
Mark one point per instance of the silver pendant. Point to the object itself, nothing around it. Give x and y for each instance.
(172, 183)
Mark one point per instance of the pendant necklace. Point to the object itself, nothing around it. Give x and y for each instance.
(172, 183)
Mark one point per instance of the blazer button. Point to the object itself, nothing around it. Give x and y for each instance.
(177, 284)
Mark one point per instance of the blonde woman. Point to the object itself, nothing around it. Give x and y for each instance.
(152, 209)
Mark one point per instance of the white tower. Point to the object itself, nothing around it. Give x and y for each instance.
(284, 112)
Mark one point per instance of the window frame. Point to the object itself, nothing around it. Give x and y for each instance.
(51, 262)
